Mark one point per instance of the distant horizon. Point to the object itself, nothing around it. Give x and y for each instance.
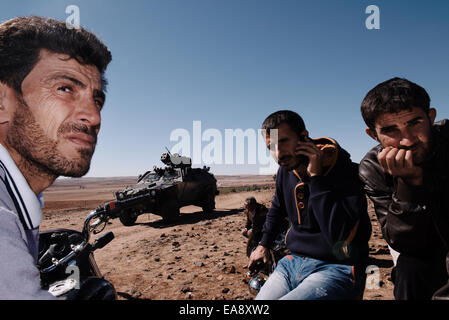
(122, 177)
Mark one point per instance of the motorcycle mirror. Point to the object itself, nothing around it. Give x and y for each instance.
(103, 240)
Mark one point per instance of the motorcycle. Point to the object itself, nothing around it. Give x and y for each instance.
(66, 261)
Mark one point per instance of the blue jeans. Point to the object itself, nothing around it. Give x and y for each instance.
(302, 278)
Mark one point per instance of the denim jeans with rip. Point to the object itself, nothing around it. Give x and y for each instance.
(303, 278)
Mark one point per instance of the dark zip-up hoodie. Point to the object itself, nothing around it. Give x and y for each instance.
(328, 213)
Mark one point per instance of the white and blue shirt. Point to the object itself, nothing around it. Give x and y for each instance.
(20, 216)
(26, 204)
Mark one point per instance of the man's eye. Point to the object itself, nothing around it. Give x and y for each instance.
(65, 88)
(388, 130)
(99, 104)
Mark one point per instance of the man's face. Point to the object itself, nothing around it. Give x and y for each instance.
(283, 150)
(407, 129)
(57, 118)
(249, 206)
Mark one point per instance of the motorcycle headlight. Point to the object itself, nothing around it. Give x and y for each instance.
(255, 283)
(153, 192)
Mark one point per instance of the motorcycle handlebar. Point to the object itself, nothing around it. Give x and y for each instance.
(103, 214)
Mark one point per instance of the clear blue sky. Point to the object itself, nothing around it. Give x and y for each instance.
(230, 63)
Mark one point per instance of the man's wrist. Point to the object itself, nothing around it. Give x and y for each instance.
(414, 182)
(408, 191)
(264, 245)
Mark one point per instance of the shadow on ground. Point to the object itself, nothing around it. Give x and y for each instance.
(381, 263)
(191, 218)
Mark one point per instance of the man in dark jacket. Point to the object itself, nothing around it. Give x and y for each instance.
(255, 217)
(407, 178)
(256, 213)
(318, 189)
(443, 292)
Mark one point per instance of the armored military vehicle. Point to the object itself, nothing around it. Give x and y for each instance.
(163, 191)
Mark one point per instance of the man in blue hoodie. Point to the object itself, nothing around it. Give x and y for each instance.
(318, 189)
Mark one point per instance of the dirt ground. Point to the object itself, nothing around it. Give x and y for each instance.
(201, 257)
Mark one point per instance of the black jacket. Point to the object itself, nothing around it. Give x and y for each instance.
(443, 292)
(418, 228)
(256, 222)
(327, 213)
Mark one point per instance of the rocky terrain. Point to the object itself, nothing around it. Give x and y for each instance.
(201, 257)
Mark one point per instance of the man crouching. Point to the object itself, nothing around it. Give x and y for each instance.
(406, 177)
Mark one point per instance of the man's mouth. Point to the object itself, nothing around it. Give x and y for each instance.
(80, 134)
(284, 160)
(416, 148)
(82, 139)
(412, 148)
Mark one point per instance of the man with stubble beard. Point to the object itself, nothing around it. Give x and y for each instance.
(51, 93)
(407, 178)
(319, 192)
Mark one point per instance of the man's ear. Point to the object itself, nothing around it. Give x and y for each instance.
(371, 133)
(5, 109)
(432, 115)
(305, 133)
(4, 112)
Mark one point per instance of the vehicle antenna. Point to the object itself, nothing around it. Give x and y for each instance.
(168, 151)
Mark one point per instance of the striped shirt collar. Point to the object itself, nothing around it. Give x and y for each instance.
(28, 205)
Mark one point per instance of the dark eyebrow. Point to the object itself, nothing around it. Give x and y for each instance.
(97, 93)
(388, 128)
(415, 119)
(392, 127)
(71, 79)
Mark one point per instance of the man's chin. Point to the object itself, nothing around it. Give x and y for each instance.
(418, 161)
(78, 165)
(75, 171)
(419, 158)
(289, 166)
(74, 166)
(77, 152)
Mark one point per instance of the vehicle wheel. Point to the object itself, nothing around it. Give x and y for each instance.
(209, 205)
(170, 211)
(127, 219)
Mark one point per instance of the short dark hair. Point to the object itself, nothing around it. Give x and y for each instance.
(392, 96)
(291, 118)
(22, 39)
(251, 200)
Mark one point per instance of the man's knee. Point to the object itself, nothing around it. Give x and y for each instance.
(334, 283)
(416, 278)
(410, 267)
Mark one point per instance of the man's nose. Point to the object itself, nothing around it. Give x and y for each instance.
(277, 152)
(408, 138)
(89, 113)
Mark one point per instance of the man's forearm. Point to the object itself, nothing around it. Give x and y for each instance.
(409, 192)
